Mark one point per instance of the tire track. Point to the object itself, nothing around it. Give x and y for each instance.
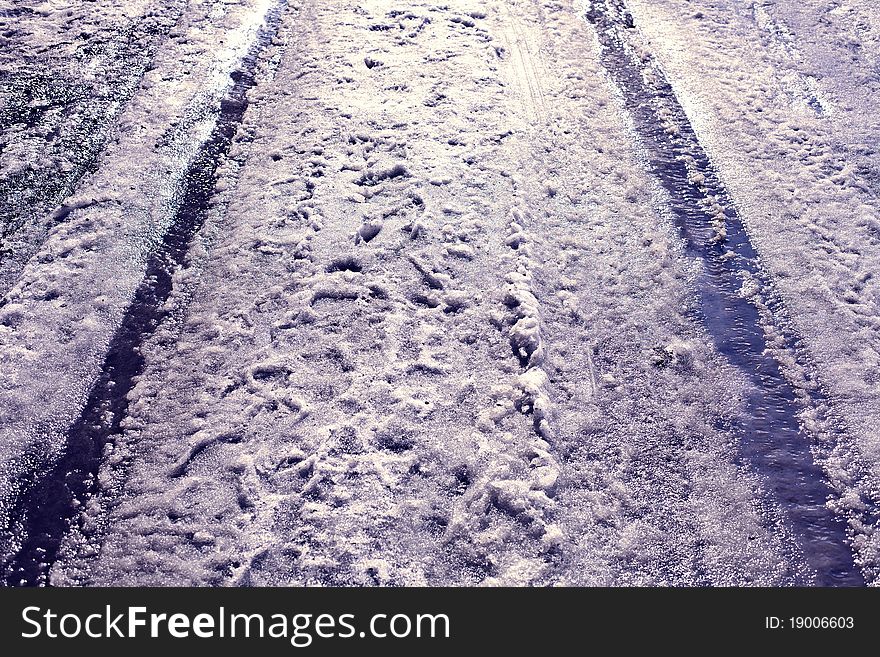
(527, 67)
(791, 439)
(44, 510)
(803, 89)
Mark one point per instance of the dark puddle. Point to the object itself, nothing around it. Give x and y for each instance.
(771, 441)
(45, 510)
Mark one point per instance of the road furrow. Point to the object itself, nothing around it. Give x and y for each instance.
(50, 461)
(791, 434)
(44, 511)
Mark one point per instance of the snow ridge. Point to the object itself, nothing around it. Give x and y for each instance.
(529, 499)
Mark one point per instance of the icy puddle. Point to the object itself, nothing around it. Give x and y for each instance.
(741, 311)
(43, 514)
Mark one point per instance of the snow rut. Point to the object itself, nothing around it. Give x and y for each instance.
(526, 65)
(802, 88)
(47, 504)
(792, 439)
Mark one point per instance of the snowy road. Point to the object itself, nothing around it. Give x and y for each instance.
(523, 292)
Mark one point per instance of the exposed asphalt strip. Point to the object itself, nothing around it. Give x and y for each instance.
(773, 441)
(43, 512)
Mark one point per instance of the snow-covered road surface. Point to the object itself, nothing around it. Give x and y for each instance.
(517, 292)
